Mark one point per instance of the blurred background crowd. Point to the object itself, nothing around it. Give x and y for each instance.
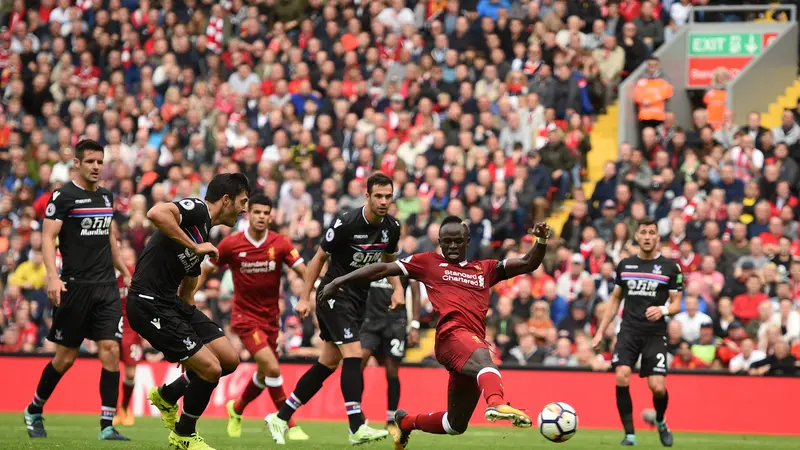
(477, 108)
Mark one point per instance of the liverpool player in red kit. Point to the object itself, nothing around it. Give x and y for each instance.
(256, 257)
(130, 352)
(459, 290)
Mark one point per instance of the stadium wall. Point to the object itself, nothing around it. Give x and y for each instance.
(707, 403)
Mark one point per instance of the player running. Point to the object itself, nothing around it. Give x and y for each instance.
(161, 303)
(85, 297)
(131, 348)
(384, 336)
(358, 238)
(459, 290)
(651, 286)
(256, 258)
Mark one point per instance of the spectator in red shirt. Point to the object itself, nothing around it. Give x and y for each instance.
(685, 359)
(745, 306)
(86, 75)
(688, 260)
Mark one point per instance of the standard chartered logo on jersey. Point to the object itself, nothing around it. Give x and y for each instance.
(645, 288)
(96, 226)
(461, 277)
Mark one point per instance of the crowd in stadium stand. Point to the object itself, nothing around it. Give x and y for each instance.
(477, 108)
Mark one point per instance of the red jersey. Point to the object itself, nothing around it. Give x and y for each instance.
(257, 267)
(458, 292)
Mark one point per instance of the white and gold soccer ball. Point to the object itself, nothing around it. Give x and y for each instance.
(558, 422)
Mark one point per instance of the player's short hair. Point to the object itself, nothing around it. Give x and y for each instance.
(259, 199)
(87, 145)
(378, 179)
(231, 184)
(646, 222)
(454, 219)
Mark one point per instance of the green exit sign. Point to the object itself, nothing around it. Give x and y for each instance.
(725, 44)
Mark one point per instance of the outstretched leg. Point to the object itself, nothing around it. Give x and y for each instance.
(462, 398)
(481, 366)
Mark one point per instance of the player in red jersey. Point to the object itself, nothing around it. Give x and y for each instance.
(130, 352)
(459, 290)
(256, 257)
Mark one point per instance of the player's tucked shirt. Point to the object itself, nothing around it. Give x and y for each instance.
(84, 241)
(646, 283)
(458, 292)
(164, 262)
(256, 267)
(352, 243)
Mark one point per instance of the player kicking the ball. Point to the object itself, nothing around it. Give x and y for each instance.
(256, 258)
(646, 282)
(459, 290)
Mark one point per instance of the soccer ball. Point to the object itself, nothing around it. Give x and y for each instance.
(558, 422)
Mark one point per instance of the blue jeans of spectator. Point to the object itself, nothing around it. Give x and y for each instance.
(576, 175)
(563, 183)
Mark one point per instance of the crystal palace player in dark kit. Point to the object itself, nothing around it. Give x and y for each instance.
(85, 296)
(651, 286)
(357, 238)
(459, 291)
(161, 302)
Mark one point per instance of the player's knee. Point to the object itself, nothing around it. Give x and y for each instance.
(456, 427)
(269, 371)
(109, 350)
(62, 362)
(623, 376)
(210, 371)
(229, 364)
(658, 387)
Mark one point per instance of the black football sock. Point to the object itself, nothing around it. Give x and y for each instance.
(660, 404)
(393, 394)
(47, 384)
(352, 387)
(195, 401)
(307, 386)
(109, 395)
(625, 408)
(175, 390)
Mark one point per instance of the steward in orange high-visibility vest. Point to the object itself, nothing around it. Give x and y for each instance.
(651, 92)
(716, 99)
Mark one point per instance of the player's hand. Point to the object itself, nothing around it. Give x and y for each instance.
(398, 300)
(542, 230)
(127, 281)
(653, 313)
(303, 308)
(207, 248)
(413, 338)
(54, 289)
(597, 340)
(329, 291)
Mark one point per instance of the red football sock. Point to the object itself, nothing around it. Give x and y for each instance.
(275, 389)
(127, 393)
(251, 392)
(491, 385)
(429, 423)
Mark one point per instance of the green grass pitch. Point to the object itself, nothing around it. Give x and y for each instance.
(80, 433)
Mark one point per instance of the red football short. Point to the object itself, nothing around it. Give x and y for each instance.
(256, 338)
(131, 347)
(454, 348)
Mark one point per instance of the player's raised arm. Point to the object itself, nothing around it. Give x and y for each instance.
(167, 218)
(614, 301)
(371, 272)
(187, 289)
(530, 261)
